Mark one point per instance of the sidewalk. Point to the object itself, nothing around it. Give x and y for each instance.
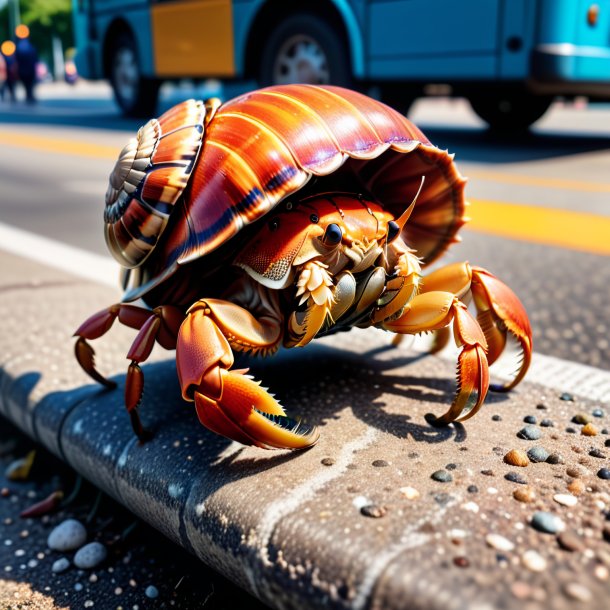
(385, 512)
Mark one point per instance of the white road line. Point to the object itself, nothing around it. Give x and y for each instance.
(96, 268)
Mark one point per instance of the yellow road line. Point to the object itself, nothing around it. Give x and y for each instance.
(55, 145)
(576, 230)
(554, 183)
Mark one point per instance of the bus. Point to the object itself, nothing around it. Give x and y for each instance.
(510, 59)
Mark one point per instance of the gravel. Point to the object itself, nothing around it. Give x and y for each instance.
(67, 536)
(90, 556)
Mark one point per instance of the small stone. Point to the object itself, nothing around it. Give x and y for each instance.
(570, 541)
(541, 406)
(597, 453)
(451, 466)
(576, 471)
(607, 442)
(151, 592)
(547, 423)
(472, 489)
(576, 487)
(566, 499)
(555, 458)
(530, 419)
(373, 510)
(524, 494)
(442, 476)
(67, 536)
(571, 430)
(547, 522)
(589, 430)
(410, 493)
(578, 592)
(461, 562)
(516, 457)
(598, 413)
(581, 418)
(530, 433)
(603, 473)
(538, 454)
(90, 556)
(380, 464)
(566, 396)
(496, 418)
(327, 461)
(488, 472)
(515, 477)
(534, 561)
(499, 542)
(61, 565)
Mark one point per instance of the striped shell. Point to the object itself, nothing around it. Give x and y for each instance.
(264, 146)
(150, 175)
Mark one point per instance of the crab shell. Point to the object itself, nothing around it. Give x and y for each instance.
(199, 174)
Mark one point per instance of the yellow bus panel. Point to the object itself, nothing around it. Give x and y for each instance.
(193, 38)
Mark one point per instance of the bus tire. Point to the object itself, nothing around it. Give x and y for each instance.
(135, 95)
(304, 48)
(510, 110)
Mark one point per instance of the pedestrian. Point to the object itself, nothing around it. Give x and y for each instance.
(7, 52)
(27, 58)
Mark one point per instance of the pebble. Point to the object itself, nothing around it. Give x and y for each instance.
(472, 489)
(515, 477)
(410, 493)
(327, 461)
(380, 464)
(597, 413)
(499, 542)
(581, 418)
(530, 419)
(67, 536)
(61, 565)
(461, 562)
(566, 499)
(534, 561)
(547, 522)
(442, 476)
(578, 592)
(90, 556)
(589, 430)
(576, 487)
(597, 453)
(496, 418)
(516, 457)
(530, 433)
(151, 592)
(566, 396)
(555, 458)
(570, 430)
(570, 541)
(373, 510)
(538, 454)
(524, 494)
(576, 471)
(607, 442)
(603, 473)
(547, 423)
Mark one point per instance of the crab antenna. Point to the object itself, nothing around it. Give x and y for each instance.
(401, 221)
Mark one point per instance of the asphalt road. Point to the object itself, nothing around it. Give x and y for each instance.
(540, 214)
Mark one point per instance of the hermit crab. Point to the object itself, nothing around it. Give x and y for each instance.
(283, 215)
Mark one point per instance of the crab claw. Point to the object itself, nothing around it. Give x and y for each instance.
(499, 311)
(229, 402)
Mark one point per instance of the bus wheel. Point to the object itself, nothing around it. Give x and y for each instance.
(510, 110)
(304, 48)
(136, 95)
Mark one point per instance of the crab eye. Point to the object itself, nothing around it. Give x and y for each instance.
(393, 231)
(274, 224)
(333, 235)
(314, 218)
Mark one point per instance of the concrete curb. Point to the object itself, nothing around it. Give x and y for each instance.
(290, 527)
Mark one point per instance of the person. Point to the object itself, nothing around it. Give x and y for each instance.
(27, 58)
(7, 53)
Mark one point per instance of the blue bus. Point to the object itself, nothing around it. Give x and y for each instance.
(509, 58)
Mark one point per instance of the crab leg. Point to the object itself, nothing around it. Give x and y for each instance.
(499, 311)
(227, 401)
(160, 324)
(435, 310)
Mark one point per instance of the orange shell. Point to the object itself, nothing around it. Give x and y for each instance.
(264, 146)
